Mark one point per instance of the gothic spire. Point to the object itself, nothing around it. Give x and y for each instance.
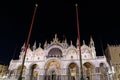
(77, 42)
(23, 47)
(71, 43)
(39, 45)
(45, 44)
(83, 42)
(91, 42)
(34, 46)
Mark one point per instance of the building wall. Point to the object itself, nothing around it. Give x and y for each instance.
(114, 53)
(63, 60)
(3, 70)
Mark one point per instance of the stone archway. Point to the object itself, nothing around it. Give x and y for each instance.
(52, 70)
(73, 71)
(103, 71)
(88, 70)
(34, 72)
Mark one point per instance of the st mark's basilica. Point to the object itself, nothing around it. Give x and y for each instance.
(58, 60)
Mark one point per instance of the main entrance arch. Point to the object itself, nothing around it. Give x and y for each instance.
(52, 70)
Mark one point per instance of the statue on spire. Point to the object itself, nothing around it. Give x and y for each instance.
(71, 43)
(23, 47)
(91, 42)
(34, 46)
(65, 44)
(46, 44)
(77, 43)
(39, 45)
(55, 40)
(83, 42)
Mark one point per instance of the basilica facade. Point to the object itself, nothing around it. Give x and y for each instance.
(59, 60)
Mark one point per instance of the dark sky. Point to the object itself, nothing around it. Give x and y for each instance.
(99, 19)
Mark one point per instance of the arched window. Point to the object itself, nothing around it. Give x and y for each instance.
(55, 52)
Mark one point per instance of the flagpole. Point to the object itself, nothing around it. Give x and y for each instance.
(26, 45)
(78, 30)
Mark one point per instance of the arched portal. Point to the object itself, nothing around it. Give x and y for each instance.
(34, 72)
(19, 70)
(88, 70)
(103, 71)
(52, 70)
(73, 71)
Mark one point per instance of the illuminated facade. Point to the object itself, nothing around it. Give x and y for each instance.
(113, 57)
(3, 70)
(60, 61)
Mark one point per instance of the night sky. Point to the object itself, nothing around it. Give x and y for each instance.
(99, 19)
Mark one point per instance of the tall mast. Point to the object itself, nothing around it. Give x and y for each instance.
(26, 45)
(78, 30)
